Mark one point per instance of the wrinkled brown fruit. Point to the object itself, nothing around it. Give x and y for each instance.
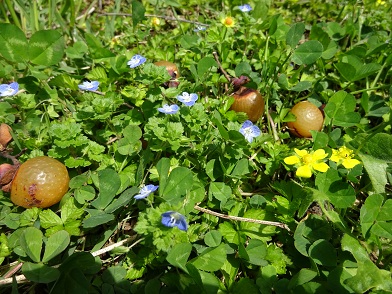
(249, 101)
(5, 136)
(7, 172)
(308, 118)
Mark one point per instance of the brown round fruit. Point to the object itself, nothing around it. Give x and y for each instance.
(249, 101)
(171, 68)
(308, 118)
(39, 182)
(5, 136)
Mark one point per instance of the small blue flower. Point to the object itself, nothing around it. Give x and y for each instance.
(174, 219)
(245, 8)
(169, 109)
(9, 90)
(145, 191)
(187, 99)
(250, 131)
(89, 86)
(199, 29)
(136, 60)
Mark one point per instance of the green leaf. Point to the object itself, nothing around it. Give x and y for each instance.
(212, 259)
(295, 34)
(376, 216)
(163, 167)
(301, 86)
(243, 68)
(241, 168)
(55, 245)
(13, 43)
(331, 187)
(123, 200)
(377, 171)
(83, 261)
(31, 242)
(303, 276)
(178, 184)
(131, 143)
(179, 254)
(308, 52)
(309, 231)
(323, 253)
(109, 183)
(49, 219)
(220, 191)
(257, 251)
(97, 217)
(138, 11)
(204, 65)
(40, 273)
(245, 285)
(213, 238)
(97, 51)
(340, 110)
(380, 146)
(46, 47)
(368, 275)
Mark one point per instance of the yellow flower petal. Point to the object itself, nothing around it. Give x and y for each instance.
(350, 162)
(319, 154)
(300, 153)
(322, 166)
(335, 156)
(291, 160)
(304, 172)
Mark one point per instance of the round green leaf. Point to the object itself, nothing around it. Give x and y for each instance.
(31, 242)
(308, 52)
(213, 238)
(55, 245)
(323, 253)
(13, 43)
(46, 47)
(40, 273)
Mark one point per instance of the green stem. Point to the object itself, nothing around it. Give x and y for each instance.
(13, 13)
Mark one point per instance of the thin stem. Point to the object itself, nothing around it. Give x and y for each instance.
(115, 245)
(220, 67)
(242, 219)
(157, 16)
(13, 14)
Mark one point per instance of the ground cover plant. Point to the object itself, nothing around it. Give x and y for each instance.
(211, 146)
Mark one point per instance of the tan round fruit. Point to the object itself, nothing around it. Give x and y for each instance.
(39, 182)
(308, 118)
(249, 101)
(171, 68)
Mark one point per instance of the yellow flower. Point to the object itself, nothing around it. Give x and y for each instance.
(228, 21)
(344, 156)
(380, 2)
(155, 21)
(307, 162)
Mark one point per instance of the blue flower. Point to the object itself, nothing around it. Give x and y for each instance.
(245, 8)
(136, 60)
(89, 86)
(250, 131)
(200, 29)
(9, 90)
(169, 109)
(187, 99)
(145, 191)
(174, 219)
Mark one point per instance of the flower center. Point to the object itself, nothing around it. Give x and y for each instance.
(9, 91)
(228, 21)
(307, 159)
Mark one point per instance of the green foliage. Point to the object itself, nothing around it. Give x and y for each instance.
(114, 142)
